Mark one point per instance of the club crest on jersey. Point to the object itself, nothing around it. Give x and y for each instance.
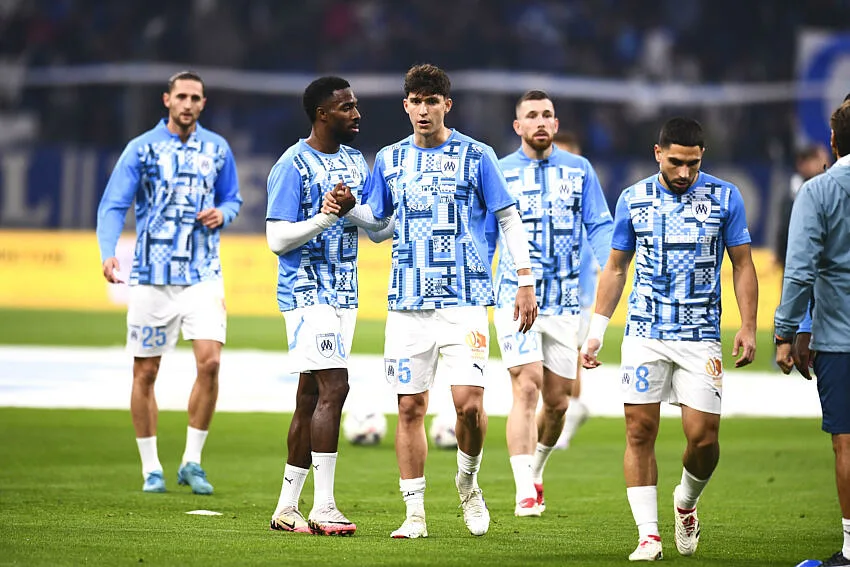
(449, 165)
(355, 175)
(205, 165)
(326, 343)
(701, 208)
(567, 186)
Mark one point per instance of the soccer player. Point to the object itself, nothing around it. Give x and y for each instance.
(560, 200)
(816, 263)
(317, 293)
(439, 184)
(588, 274)
(678, 222)
(183, 179)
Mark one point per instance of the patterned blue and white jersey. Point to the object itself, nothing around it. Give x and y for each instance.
(561, 204)
(323, 270)
(679, 241)
(171, 182)
(440, 197)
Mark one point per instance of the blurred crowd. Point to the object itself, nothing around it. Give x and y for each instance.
(693, 41)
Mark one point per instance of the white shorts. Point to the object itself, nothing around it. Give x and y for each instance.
(415, 340)
(157, 313)
(319, 337)
(552, 339)
(688, 373)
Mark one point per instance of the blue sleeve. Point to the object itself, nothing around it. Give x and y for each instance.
(596, 217)
(735, 230)
(623, 237)
(806, 236)
(806, 323)
(377, 193)
(491, 180)
(117, 198)
(227, 197)
(367, 178)
(491, 233)
(285, 187)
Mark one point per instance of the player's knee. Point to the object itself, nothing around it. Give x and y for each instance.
(471, 413)
(556, 405)
(335, 392)
(208, 367)
(527, 394)
(411, 410)
(641, 432)
(145, 371)
(841, 445)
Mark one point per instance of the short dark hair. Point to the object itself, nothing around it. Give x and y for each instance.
(184, 76)
(532, 95)
(319, 91)
(567, 138)
(427, 79)
(840, 124)
(681, 131)
(846, 98)
(809, 151)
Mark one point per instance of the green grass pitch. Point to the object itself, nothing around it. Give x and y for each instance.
(70, 494)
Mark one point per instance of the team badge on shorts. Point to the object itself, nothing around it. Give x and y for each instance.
(326, 344)
(701, 208)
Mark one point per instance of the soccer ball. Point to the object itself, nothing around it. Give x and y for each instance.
(442, 431)
(364, 427)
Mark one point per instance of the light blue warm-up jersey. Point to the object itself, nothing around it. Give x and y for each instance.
(588, 275)
(440, 197)
(171, 182)
(561, 203)
(679, 241)
(324, 270)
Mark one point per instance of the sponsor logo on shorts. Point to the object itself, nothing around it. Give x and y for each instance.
(477, 344)
(326, 343)
(714, 367)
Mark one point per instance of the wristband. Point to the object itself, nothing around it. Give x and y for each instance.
(596, 328)
(525, 280)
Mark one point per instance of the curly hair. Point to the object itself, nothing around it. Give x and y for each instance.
(427, 79)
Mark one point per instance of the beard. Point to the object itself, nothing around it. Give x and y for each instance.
(539, 145)
(675, 188)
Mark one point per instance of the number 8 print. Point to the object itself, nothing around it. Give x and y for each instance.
(642, 383)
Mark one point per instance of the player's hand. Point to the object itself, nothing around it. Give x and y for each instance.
(211, 218)
(589, 352)
(802, 355)
(784, 357)
(343, 196)
(111, 269)
(525, 308)
(329, 204)
(745, 344)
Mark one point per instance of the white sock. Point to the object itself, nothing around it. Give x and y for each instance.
(686, 495)
(644, 503)
(324, 468)
(467, 471)
(845, 524)
(195, 439)
(521, 465)
(413, 491)
(150, 457)
(290, 489)
(541, 455)
(575, 416)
